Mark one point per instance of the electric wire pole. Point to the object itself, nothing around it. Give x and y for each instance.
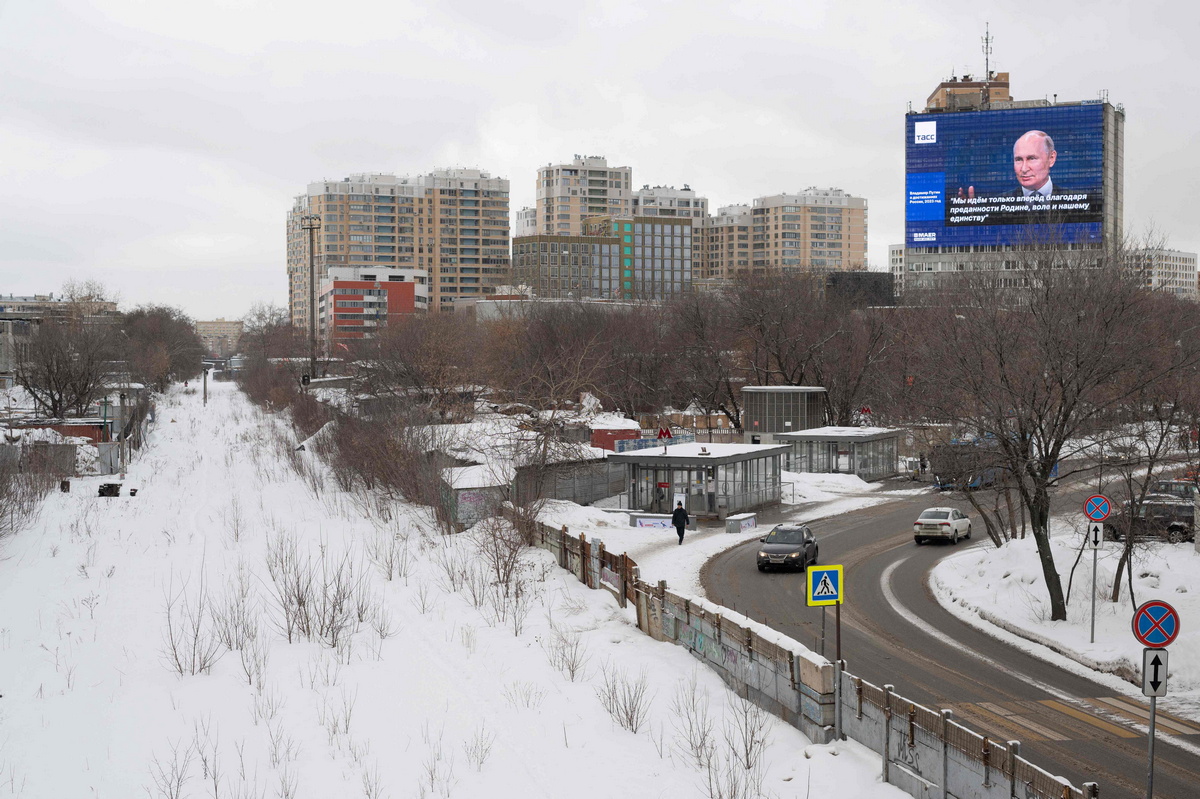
(311, 223)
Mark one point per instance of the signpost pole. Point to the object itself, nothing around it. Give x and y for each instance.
(1096, 509)
(837, 672)
(822, 631)
(837, 619)
(1095, 556)
(837, 700)
(1150, 770)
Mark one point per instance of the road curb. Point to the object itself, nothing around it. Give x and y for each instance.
(1127, 671)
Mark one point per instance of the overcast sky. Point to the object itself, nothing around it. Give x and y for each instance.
(156, 145)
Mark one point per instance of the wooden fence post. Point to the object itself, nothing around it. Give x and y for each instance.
(624, 581)
(585, 552)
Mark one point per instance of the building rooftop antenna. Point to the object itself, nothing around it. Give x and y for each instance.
(987, 52)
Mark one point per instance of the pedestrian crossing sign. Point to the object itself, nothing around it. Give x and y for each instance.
(825, 585)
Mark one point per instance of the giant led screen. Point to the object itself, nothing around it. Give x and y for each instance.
(1004, 177)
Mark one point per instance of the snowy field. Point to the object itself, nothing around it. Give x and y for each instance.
(144, 650)
(1002, 592)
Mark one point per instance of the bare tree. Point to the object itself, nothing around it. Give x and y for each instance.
(1032, 355)
(267, 332)
(66, 365)
(161, 344)
(855, 342)
(774, 318)
(703, 346)
(546, 360)
(424, 361)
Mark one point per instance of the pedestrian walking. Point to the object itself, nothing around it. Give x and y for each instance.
(679, 518)
(924, 463)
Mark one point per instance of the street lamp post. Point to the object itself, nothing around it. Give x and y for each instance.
(311, 223)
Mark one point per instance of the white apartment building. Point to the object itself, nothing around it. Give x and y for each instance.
(896, 265)
(587, 186)
(670, 201)
(525, 222)
(1172, 271)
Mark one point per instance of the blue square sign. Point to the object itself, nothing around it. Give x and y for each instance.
(825, 586)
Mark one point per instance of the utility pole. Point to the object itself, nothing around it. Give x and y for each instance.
(311, 223)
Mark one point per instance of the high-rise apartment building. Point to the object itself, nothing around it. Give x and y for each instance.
(818, 229)
(725, 243)
(451, 224)
(587, 186)
(987, 176)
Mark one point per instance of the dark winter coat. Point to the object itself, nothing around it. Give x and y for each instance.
(679, 518)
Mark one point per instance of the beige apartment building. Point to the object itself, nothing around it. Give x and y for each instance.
(587, 186)
(220, 336)
(725, 243)
(451, 225)
(819, 229)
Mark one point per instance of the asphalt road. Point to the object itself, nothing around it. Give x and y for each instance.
(894, 631)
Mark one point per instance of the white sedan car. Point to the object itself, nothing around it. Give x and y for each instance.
(949, 524)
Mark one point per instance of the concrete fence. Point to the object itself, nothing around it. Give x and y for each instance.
(923, 751)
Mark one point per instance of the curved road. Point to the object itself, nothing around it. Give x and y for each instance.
(894, 631)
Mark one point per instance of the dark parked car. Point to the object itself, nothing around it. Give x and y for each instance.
(788, 546)
(1184, 489)
(1160, 516)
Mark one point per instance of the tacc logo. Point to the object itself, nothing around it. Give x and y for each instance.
(925, 132)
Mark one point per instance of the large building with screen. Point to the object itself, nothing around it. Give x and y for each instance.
(986, 175)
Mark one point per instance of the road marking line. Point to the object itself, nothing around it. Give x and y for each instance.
(1024, 721)
(985, 719)
(1143, 715)
(1038, 728)
(1108, 727)
(885, 580)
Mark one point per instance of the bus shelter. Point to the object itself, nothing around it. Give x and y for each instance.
(710, 479)
(869, 452)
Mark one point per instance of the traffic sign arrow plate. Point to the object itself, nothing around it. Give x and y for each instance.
(1095, 535)
(1154, 672)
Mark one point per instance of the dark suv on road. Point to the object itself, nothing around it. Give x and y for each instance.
(787, 546)
(1161, 516)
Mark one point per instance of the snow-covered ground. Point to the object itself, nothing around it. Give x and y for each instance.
(1002, 592)
(658, 553)
(437, 685)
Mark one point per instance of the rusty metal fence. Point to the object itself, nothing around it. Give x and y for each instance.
(924, 752)
(927, 753)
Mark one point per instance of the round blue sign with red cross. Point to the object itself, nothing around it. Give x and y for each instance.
(1097, 507)
(1155, 624)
